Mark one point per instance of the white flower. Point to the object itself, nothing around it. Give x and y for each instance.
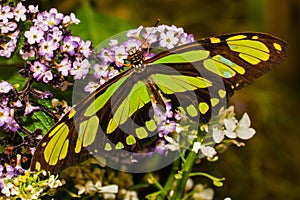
(109, 189)
(168, 40)
(131, 195)
(208, 151)
(202, 193)
(52, 183)
(218, 135)
(230, 125)
(233, 129)
(196, 147)
(244, 131)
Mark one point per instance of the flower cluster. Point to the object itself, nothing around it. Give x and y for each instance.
(161, 37)
(230, 127)
(53, 53)
(10, 16)
(108, 184)
(16, 182)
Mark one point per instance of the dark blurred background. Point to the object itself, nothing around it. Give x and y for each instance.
(268, 166)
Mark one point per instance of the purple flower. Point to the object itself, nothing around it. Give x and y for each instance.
(91, 87)
(13, 171)
(53, 11)
(34, 35)
(160, 146)
(5, 87)
(4, 115)
(80, 68)
(27, 54)
(53, 20)
(17, 104)
(168, 40)
(69, 46)
(11, 125)
(186, 38)
(40, 22)
(84, 48)
(6, 13)
(135, 32)
(38, 70)
(45, 95)
(30, 109)
(120, 54)
(57, 36)
(101, 70)
(19, 12)
(132, 44)
(64, 66)
(1, 171)
(47, 48)
(105, 55)
(166, 128)
(8, 27)
(33, 9)
(47, 76)
(71, 19)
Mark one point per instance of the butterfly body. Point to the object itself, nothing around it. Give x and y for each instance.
(198, 77)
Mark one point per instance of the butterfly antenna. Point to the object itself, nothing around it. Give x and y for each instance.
(148, 48)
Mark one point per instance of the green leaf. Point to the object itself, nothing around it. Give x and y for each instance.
(39, 120)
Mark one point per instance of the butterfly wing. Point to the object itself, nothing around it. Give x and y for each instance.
(198, 77)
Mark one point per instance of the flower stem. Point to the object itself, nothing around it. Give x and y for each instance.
(187, 167)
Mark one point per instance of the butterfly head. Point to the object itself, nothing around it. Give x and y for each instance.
(136, 59)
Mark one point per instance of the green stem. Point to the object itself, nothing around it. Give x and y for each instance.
(187, 167)
(169, 182)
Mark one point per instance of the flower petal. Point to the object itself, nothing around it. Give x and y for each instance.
(245, 133)
(229, 124)
(230, 134)
(218, 135)
(245, 121)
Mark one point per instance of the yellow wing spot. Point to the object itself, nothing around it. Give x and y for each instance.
(130, 140)
(222, 93)
(72, 112)
(53, 149)
(192, 111)
(119, 145)
(107, 147)
(203, 107)
(44, 144)
(237, 37)
(181, 110)
(249, 59)
(112, 125)
(151, 125)
(277, 46)
(214, 101)
(64, 150)
(38, 166)
(219, 68)
(229, 63)
(141, 132)
(56, 129)
(90, 131)
(215, 40)
(255, 37)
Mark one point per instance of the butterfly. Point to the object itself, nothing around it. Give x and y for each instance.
(197, 78)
